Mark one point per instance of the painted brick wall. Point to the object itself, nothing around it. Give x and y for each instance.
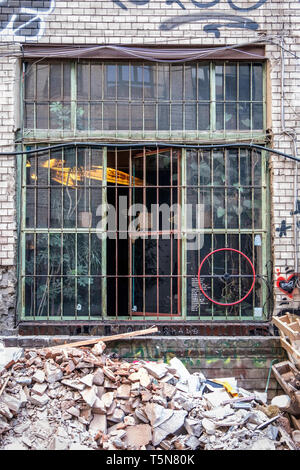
(167, 22)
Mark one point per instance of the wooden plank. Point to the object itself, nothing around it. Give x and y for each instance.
(289, 348)
(296, 422)
(286, 387)
(279, 370)
(105, 339)
(286, 329)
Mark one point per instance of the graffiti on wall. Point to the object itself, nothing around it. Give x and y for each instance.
(24, 20)
(220, 19)
(289, 283)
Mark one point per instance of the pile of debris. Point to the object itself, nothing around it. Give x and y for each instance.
(79, 398)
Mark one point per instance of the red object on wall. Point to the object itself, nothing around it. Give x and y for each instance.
(245, 296)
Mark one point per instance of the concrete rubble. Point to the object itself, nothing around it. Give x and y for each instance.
(80, 398)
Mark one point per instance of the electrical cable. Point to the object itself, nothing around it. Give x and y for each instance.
(149, 144)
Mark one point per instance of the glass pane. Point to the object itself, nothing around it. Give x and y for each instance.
(55, 296)
(60, 115)
(232, 167)
(69, 201)
(83, 81)
(231, 82)
(191, 167)
(244, 116)
(257, 167)
(220, 116)
(257, 113)
(190, 117)
(96, 82)
(123, 81)
(219, 208)
(163, 117)
(244, 82)
(246, 208)
(137, 117)
(95, 255)
(245, 167)
(96, 297)
(42, 255)
(219, 83)
(30, 207)
(203, 82)
(41, 298)
(67, 81)
(232, 209)
(177, 116)
(205, 168)
(231, 116)
(30, 254)
(110, 81)
(82, 116)
(29, 116)
(31, 172)
(123, 116)
(42, 92)
(149, 82)
(203, 116)
(109, 116)
(137, 82)
(190, 82)
(42, 121)
(257, 208)
(69, 307)
(218, 167)
(29, 296)
(56, 208)
(150, 117)
(96, 117)
(257, 82)
(69, 259)
(55, 82)
(164, 295)
(177, 82)
(42, 208)
(30, 82)
(163, 82)
(55, 254)
(151, 295)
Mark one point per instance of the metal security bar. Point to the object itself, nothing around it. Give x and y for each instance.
(130, 262)
(204, 100)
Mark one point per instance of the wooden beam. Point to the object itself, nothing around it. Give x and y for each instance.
(105, 339)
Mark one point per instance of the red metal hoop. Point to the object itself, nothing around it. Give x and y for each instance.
(245, 296)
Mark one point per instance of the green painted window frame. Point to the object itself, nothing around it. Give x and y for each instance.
(75, 110)
(49, 136)
(185, 314)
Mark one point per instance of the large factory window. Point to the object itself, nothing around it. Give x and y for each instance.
(141, 231)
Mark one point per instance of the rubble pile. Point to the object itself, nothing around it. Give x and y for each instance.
(80, 398)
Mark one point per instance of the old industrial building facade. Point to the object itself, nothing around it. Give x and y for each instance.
(142, 103)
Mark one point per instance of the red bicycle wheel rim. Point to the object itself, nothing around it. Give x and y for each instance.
(232, 303)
